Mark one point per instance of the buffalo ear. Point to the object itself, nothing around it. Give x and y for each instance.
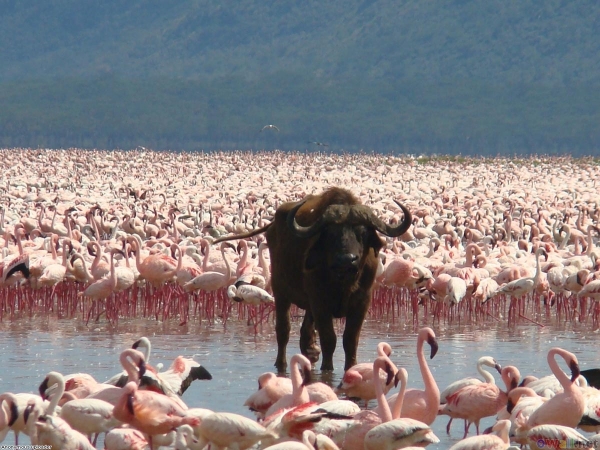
(375, 242)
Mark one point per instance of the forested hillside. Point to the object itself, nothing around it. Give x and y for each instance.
(452, 77)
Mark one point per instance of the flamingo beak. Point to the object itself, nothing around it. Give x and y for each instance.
(498, 367)
(43, 388)
(200, 373)
(434, 347)
(141, 368)
(390, 373)
(306, 377)
(510, 405)
(397, 379)
(575, 372)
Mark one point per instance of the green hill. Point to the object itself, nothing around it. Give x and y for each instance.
(446, 77)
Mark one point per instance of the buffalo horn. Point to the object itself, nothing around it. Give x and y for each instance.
(354, 213)
(389, 230)
(299, 230)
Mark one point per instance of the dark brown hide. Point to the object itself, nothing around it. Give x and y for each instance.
(329, 274)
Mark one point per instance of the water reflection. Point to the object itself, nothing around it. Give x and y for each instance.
(236, 356)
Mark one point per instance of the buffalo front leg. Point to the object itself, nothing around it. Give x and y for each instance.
(327, 338)
(308, 338)
(282, 330)
(354, 323)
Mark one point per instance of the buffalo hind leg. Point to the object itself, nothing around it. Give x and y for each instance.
(282, 330)
(308, 338)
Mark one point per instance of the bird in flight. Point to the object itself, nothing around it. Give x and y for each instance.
(269, 127)
(318, 143)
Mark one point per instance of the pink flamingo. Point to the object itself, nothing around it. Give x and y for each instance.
(498, 441)
(394, 431)
(56, 433)
(104, 287)
(419, 404)
(135, 366)
(88, 416)
(228, 430)
(556, 433)
(299, 393)
(210, 281)
(565, 408)
(459, 384)
(473, 402)
(364, 421)
(125, 439)
(358, 380)
(270, 389)
(150, 412)
(156, 269)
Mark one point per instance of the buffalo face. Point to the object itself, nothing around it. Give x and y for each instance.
(341, 251)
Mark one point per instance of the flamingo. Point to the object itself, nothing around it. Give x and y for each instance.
(13, 419)
(228, 430)
(542, 434)
(475, 401)
(150, 412)
(270, 389)
(498, 441)
(125, 439)
(248, 293)
(521, 287)
(156, 269)
(88, 416)
(423, 405)
(565, 408)
(459, 384)
(104, 287)
(210, 281)
(396, 432)
(362, 422)
(299, 393)
(55, 432)
(135, 366)
(358, 380)
(522, 401)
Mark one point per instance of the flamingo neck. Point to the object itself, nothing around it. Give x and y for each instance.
(384, 408)
(113, 273)
(538, 272)
(263, 262)
(487, 376)
(59, 390)
(129, 366)
(432, 391)
(243, 262)
(227, 274)
(400, 399)
(299, 392)
(558, 373)
(87, 272)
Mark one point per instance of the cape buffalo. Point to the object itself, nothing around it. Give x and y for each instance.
(324, 252)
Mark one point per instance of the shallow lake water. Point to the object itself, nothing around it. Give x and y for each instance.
(236, 356)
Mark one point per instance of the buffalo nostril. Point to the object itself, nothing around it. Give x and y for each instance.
(349, 260)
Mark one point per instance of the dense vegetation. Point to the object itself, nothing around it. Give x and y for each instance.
(411, 76)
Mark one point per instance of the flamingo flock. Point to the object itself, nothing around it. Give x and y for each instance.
(105, 235)
(147, 410)
(128, 233)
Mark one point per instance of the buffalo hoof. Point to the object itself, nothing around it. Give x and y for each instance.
(313, 354)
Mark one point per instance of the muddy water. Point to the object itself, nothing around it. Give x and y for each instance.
(236, 356)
